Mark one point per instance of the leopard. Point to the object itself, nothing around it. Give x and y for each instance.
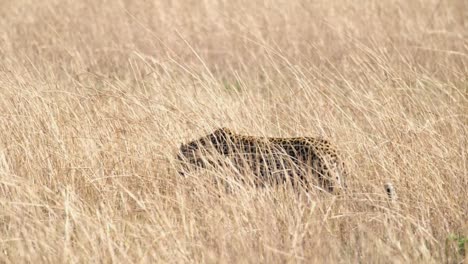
(310, 162)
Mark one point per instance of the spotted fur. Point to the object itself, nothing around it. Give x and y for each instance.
(308, 161)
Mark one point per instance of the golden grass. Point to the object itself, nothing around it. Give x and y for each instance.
(96, 96)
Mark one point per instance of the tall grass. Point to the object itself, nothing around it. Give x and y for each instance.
(96, 97)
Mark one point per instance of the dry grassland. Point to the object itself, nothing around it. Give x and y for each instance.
(96, 97)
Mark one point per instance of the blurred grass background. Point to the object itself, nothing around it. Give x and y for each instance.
(96, 96)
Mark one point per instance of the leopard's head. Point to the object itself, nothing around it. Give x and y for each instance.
(192, 153)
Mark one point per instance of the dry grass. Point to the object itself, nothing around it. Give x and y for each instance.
(96, 96)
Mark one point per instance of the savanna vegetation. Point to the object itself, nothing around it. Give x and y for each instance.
(97, 96)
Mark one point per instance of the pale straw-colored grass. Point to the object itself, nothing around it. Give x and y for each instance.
(96, 97)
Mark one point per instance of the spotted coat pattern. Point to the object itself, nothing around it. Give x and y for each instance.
(308, 161)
